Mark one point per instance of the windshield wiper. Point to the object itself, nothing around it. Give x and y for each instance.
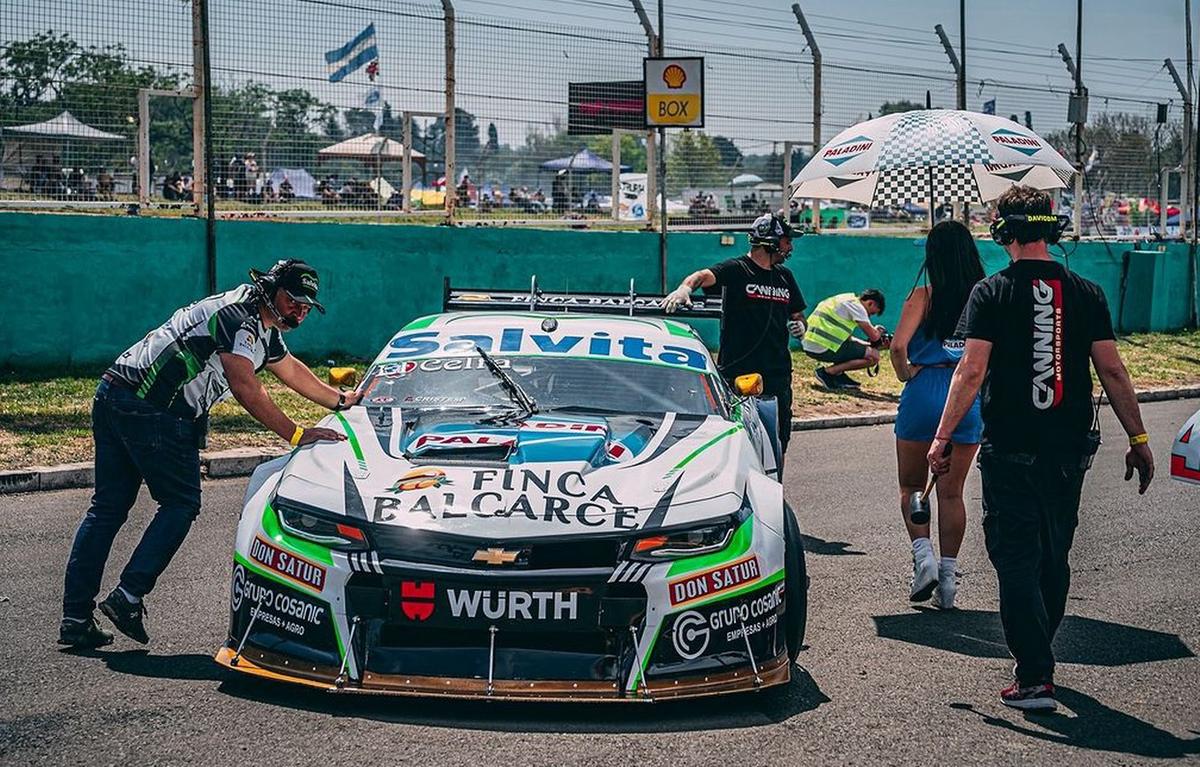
(510, 386)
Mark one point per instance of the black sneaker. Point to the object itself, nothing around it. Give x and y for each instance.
(83, 634)
(846, 382)
(126, 616)
(826, 380)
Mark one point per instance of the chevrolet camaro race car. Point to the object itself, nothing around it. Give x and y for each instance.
(529, 504)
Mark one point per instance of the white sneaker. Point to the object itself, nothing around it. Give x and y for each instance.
(925, 578)
(947, 588)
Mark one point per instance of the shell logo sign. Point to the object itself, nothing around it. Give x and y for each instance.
(674, 92)
(674, 76)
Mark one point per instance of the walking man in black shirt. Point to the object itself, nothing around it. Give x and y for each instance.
(1030, 332)
(149, 418)
(763, 308)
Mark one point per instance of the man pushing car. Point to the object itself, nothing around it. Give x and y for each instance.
(149, 420)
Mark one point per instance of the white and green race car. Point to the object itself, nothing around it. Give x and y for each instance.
(532, 504)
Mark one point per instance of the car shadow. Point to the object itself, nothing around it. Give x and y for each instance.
(184, 667)
(726, 712)
(1094, 726)
(814, 545)
(978, 633)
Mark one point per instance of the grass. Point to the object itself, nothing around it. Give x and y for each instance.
(45, 416)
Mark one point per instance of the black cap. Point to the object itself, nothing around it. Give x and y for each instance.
(296, 278)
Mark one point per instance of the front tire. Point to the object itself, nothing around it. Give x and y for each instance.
(795, 584)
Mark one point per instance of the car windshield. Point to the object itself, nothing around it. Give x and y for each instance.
(553, 382)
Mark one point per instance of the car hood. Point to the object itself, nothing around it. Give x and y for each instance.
(540, 476)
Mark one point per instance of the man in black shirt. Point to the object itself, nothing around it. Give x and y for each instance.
(763, 307)
(1031, 331)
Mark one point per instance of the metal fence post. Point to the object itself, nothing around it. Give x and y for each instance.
(407, 117)
(1077, 213)
(200, 89)
(652, 49)
(816, 118)
(451, 186)
(960, 87)
(615, 200)
(143, 147)
(1185, 189)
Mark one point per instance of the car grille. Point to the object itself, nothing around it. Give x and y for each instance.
(427, 547)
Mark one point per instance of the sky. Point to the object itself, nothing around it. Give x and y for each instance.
(758, 71)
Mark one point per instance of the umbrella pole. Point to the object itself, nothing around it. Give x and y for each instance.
(931, 200)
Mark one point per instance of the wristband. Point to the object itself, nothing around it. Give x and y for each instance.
(341, 403)
(1139, 439)
(296, 435)
(941, 439)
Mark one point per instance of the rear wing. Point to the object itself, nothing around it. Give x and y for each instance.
(631, 304)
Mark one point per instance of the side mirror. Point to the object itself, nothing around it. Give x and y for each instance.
(343, 376)
(749, 385)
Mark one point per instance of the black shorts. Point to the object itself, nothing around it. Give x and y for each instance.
(850, 350)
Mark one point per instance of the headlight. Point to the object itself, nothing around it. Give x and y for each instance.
(703, 538)
(683, 543)
(313, 526)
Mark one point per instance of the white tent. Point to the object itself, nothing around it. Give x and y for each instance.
(24, 144)
(65, 126)
(369, 147)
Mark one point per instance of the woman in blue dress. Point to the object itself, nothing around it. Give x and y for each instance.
(924, 352)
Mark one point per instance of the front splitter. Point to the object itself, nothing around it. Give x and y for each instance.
(280, 668)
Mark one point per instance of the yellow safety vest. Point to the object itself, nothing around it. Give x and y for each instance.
(826, 327)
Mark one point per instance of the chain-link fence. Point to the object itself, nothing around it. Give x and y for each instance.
(331, 108)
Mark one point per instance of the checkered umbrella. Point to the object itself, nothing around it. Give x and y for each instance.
(940, 154)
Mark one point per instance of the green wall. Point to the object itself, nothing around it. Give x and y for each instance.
(80, 289)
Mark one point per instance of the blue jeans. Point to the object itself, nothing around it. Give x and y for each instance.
(135, 442)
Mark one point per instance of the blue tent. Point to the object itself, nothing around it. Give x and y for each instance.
(583, 161)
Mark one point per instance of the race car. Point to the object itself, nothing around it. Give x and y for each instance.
(540, 496)
(1185, 451)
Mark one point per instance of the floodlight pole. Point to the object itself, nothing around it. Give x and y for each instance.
(811, 40)
(451, 186)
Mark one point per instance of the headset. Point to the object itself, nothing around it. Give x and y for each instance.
(267, 284)
(1013, 227)
(767, 230)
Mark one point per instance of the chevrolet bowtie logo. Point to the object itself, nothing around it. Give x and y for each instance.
(495, 556)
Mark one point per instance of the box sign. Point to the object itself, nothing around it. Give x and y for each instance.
(674, 92)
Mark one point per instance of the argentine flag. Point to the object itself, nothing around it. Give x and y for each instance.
(352, 55)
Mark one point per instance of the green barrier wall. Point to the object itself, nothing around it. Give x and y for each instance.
(80, 289)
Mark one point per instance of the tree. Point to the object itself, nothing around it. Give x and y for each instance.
(1127, 158)
(731, 156)
(633, 150)
(903, 105)
(693, 162)
(466, 140)
(34, 68)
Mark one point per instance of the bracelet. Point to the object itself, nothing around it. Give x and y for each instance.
(941, 439)
(296, 435)
(1139, 439)
(341, 403)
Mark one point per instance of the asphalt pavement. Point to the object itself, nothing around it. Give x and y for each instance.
(880, 681)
